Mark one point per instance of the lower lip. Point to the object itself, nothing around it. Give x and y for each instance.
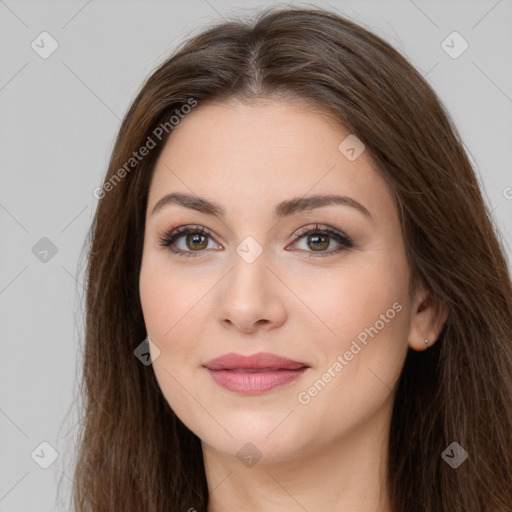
(249, 383)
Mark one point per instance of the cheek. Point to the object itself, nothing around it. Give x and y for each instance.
(350, 300)
(174, 325)
(173, 315)
(362, 361)
(167, 300)
(366, 311)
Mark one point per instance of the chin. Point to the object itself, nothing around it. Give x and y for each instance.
(265, 437)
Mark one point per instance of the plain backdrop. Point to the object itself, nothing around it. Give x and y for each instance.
(59, 117)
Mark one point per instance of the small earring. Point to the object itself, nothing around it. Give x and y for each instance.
(426, 344)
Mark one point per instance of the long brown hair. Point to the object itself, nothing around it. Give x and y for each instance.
(134, 453)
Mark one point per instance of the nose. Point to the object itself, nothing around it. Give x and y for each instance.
(251, 297)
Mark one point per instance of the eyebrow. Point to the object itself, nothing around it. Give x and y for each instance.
(283, 209)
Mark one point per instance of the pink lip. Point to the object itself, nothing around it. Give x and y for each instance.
(253, 374)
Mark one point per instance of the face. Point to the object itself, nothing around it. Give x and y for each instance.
(266, 269)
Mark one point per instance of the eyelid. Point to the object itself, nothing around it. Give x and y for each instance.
(323, 228)
(345, 242)
(170, 236)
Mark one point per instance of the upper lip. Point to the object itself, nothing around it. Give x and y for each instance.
(260, 361)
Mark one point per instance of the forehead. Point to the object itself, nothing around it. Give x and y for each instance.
(233, 152)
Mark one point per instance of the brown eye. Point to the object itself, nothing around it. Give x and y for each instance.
(196, 241)
(318, 240)
(186, 240)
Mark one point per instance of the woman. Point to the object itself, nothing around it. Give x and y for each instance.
(296, 297)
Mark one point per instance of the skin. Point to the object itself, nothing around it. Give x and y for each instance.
(330, 453)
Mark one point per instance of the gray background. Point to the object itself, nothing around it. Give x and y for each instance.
(59, 117)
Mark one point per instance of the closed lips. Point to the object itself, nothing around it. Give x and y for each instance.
(254, 374)
(257, 370)
(261, 362)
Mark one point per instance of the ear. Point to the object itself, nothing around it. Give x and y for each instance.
(428, 317)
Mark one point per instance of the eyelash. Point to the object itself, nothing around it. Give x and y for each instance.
(169, 237)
